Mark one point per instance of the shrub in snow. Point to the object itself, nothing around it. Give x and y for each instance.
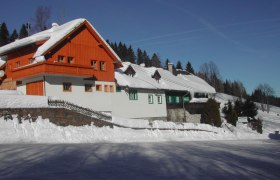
(230, 113)
(211, 114)
(249, 109)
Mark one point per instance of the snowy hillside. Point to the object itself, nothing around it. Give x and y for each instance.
(42, 131)
(271, 120)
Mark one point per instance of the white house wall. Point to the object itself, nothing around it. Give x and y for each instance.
(53, 86)
(99, 101)
(140, 108)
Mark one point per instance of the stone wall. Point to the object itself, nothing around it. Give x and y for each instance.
(58, 116)
(177, 115)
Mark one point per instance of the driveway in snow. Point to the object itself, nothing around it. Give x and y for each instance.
(258, 159)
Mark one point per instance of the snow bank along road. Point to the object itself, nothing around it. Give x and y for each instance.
(254, 159)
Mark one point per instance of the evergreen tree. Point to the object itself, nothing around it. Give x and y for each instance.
(140, 58)
(230, 114)
(14, 36)
(249, 109)
(238, 106)
(147, 60)
(23, 32)
(211, 114)
(189, 68)
(4, 35)
(166, 63)
(155, 61)
(130, 56)
(179, 65)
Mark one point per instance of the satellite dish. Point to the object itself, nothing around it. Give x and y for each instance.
(2, 73)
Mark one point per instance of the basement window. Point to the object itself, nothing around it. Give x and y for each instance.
(67, 87)
(111, 88)
(106, 87)
(88, 88)
(99, 87)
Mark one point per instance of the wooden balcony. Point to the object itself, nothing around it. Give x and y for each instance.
(60, 69)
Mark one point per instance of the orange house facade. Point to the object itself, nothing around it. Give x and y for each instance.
(71, 61)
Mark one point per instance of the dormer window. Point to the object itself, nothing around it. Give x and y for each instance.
(130, 71)
(156, 76)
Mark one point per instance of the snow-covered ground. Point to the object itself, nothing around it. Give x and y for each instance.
(42, 131)
(164, 160)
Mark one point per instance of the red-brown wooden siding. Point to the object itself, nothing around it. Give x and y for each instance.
(83, 45)
(35, 88)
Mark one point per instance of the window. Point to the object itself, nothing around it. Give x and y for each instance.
(111, 88)
(133, 95)
(93, 64)
(30, 61)
(18, 64)
(118, 89)
(102, 66)
(159, 99)
(70, 60)
(60, 59)
(98, 87)
(106, 87)
(173, 99)
(200, 95)
(150, 99)
(177, 99)
(88, 88)
(186, 99)
(67, 87)
(169, 99)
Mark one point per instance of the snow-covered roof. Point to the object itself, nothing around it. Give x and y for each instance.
(143, 79)
(52, 36)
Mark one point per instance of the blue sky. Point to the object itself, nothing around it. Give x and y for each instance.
(241, 36)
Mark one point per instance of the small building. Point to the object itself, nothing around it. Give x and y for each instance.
(150, 92)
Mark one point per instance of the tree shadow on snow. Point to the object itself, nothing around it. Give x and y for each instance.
(169, 160)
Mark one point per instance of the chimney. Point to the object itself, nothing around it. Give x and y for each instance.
(170, 67)
(54, 26)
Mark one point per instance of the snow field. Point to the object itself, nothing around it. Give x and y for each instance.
(42, 131)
